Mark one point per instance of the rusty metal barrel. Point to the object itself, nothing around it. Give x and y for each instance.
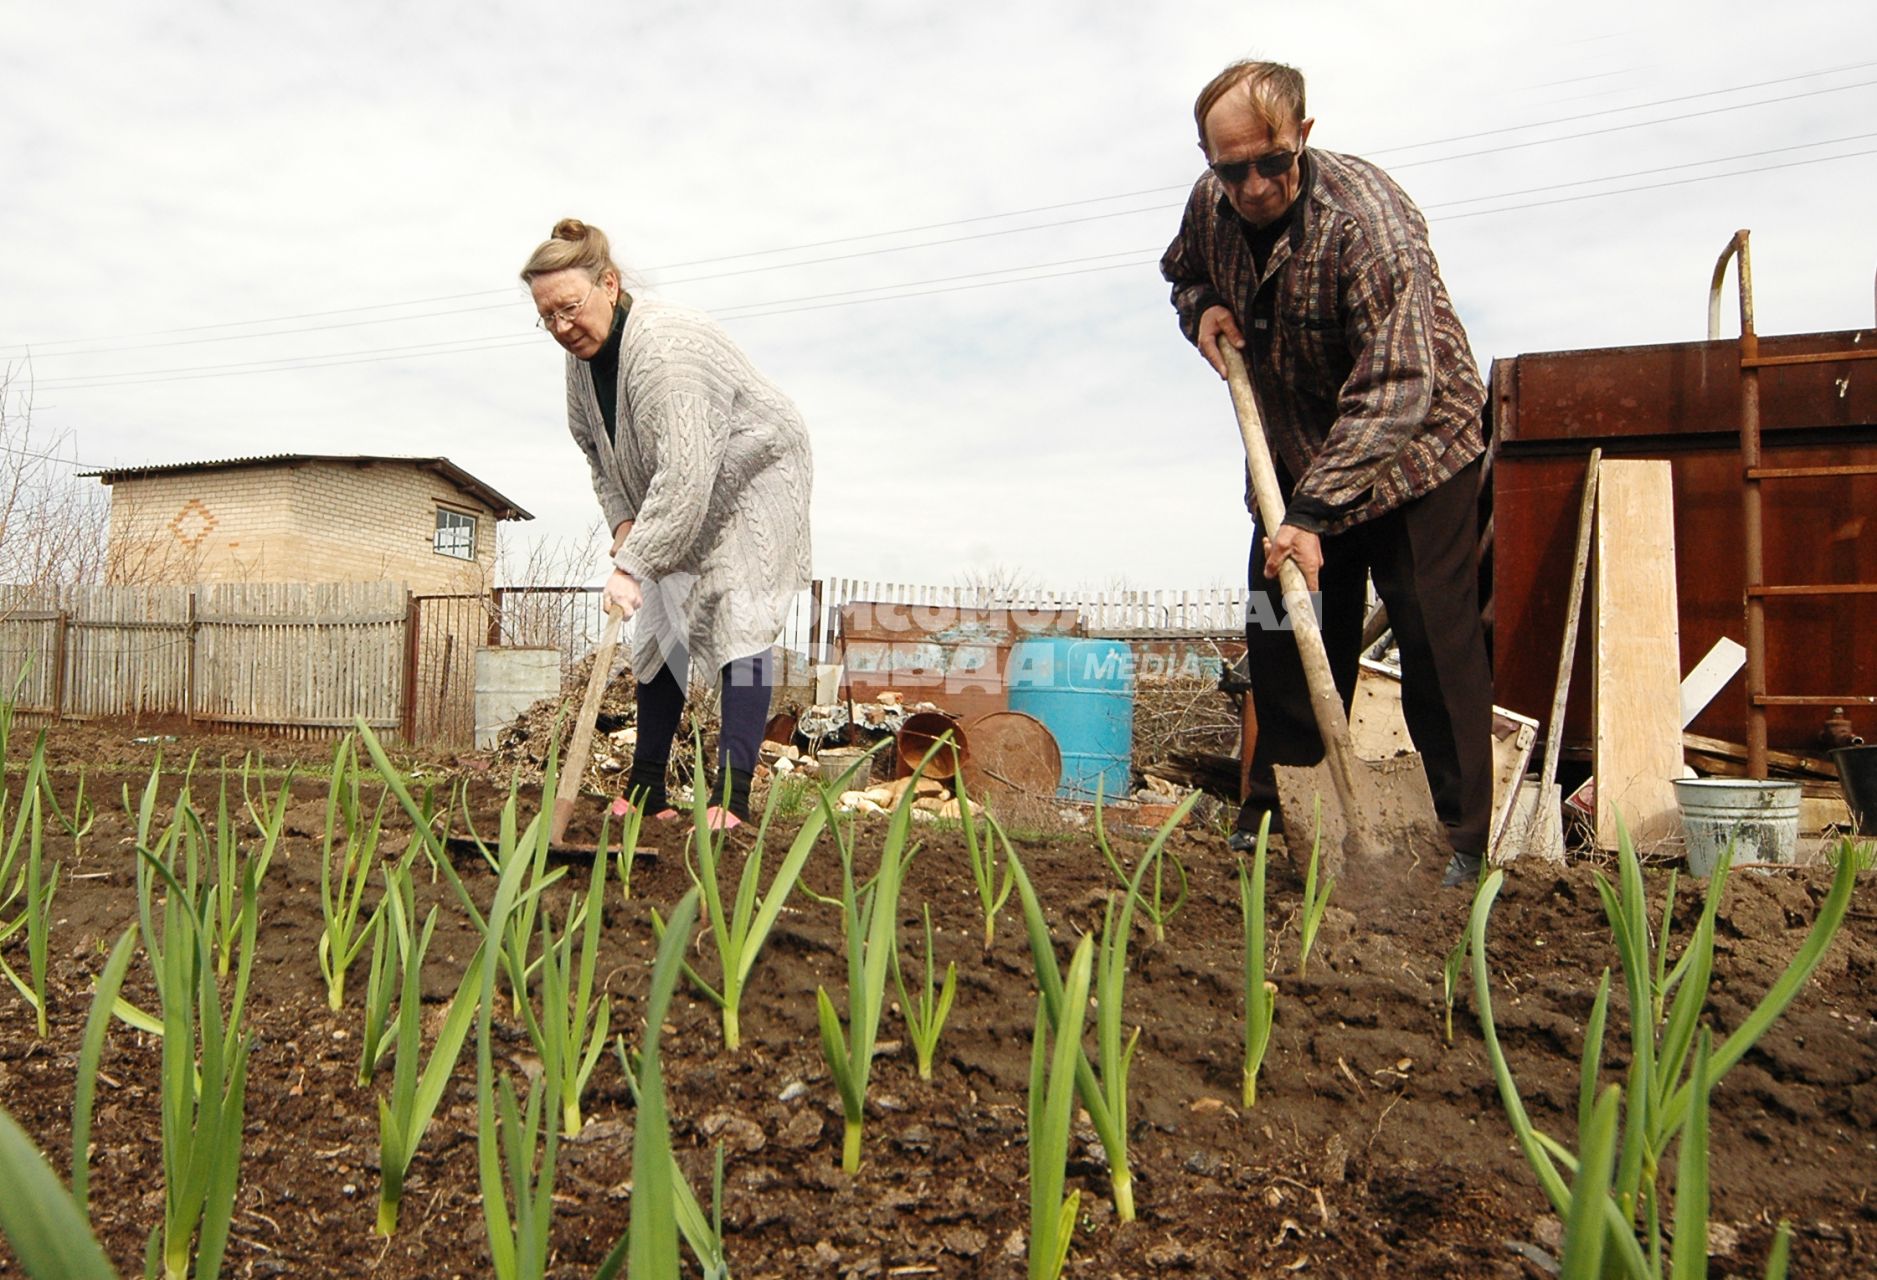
(920, 733)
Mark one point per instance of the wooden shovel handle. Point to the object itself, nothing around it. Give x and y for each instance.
(1325, 702)
(574, 763)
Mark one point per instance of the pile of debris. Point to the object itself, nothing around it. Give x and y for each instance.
(521, 749)
(932, 799)
(785, 758)
(856, 722)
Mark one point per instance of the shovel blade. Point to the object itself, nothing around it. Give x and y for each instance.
(1396, 820)
(1536, 827)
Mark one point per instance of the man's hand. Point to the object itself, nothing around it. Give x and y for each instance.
(1216, 323)
(622, 594)
(1295, 544)
(619, 536)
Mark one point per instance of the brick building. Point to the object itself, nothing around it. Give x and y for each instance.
(299, 517)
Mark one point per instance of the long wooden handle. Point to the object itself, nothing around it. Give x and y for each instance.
(574, 764)
(1567, 652)
(1325, 702)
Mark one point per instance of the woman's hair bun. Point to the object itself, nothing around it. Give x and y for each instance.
(572, 246)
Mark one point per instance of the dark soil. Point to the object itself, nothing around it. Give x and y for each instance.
(1375, 1148)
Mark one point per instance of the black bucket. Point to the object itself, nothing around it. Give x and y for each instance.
(1857, 778)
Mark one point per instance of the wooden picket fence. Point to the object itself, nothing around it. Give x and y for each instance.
(1116, 614)
(306, 659)
(294, 658)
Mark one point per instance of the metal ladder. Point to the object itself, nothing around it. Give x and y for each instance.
(1758, 590)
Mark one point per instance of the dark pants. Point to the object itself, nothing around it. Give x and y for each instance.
(746, 688)
(1424, 557)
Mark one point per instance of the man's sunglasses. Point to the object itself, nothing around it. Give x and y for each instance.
(1275, 165)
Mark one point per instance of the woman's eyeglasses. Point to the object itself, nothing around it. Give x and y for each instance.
(553, 320)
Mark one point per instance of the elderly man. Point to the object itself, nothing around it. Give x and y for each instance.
(1317, 267)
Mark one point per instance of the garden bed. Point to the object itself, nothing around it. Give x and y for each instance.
(1375, 1147)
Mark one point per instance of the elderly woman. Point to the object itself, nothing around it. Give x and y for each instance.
(702, 471)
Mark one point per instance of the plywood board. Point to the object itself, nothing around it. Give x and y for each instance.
(1513, 737)
(1636, 668)
(1378, 731)
(1710, 676)
(1376, 728)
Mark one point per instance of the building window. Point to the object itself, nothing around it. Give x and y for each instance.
(456, 534)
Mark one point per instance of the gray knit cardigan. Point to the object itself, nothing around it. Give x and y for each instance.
(712, 466)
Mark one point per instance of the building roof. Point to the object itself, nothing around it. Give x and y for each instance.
(503, 508)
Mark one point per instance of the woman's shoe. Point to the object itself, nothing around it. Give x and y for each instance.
(623, 806)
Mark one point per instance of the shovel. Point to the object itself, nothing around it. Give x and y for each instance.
(574, 763)
(1374, 805)
(1536, 815)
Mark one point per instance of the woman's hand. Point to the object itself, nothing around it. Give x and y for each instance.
(622, 594)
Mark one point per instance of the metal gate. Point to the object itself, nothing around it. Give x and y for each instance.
(440, 684)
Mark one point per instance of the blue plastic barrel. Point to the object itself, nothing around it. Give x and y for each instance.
(1083, 692)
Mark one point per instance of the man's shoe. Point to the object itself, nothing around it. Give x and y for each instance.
(1462, 871)
(1252, 811)
(1242, 841)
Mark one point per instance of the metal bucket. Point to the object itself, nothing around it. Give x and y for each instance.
(1857, 778)
(1758, 820)
(918, 735)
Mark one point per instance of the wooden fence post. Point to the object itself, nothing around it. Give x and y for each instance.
(189, 661)
(815, 653)
(409, 716)
(61, 635)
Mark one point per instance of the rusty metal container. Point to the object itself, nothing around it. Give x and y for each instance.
(950, 656)
(920, 734)
(1682, 402)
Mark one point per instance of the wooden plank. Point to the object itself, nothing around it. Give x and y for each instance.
(1636, 676)
(1818, 766)
(295, 613)
(1378, 730)
(300, 722)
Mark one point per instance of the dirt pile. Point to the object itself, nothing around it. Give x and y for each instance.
(1377, 1146)
(521, 749)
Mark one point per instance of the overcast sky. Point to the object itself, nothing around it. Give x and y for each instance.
(235, 228)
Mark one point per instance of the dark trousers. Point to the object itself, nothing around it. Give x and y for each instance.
(1424, 557)
(746, 688)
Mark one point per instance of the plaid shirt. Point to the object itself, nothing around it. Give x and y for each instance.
(1367, 387)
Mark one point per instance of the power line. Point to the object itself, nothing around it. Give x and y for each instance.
(921, 293)
(1623, 128)
(1656, 186)
(278, 364)
(38, 348)
(1660, 168)
(917, 288)
(929, 226)
(926, 244)
(1610, 111)
(302, 315)
(273, 333)
(910, 288)
(910, 284)
(776, 307)
(14, 451)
